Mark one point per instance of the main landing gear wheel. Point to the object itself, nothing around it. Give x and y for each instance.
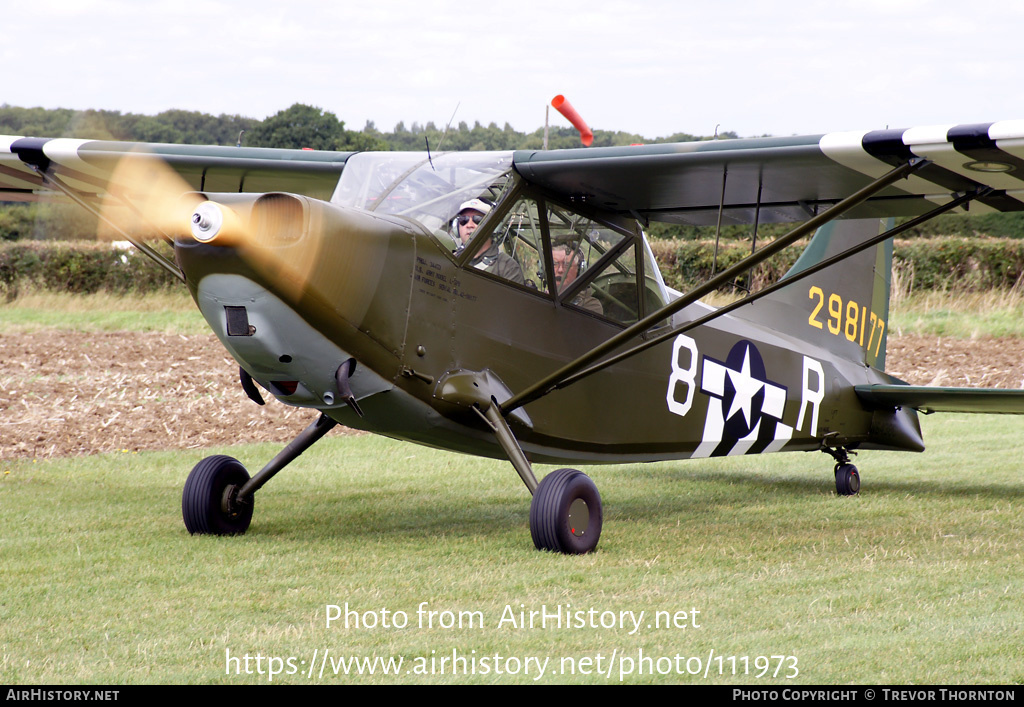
(209, 502)
(847, 480)
(565, 514)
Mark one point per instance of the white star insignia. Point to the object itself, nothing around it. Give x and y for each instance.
(746, 388)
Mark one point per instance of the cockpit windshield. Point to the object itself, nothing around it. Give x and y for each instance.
(426, 189)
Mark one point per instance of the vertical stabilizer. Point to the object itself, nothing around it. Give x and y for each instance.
(843, 308)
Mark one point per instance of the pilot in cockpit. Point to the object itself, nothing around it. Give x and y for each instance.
(489, 257)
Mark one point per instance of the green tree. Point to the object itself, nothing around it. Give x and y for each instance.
(361, 141)
(297, 127)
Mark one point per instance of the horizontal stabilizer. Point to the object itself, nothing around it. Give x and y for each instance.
(929, 399)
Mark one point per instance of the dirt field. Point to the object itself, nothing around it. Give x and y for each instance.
(65, 393)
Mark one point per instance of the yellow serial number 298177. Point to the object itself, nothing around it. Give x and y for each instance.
(848, 319)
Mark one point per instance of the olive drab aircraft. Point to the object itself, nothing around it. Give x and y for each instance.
(507, 304)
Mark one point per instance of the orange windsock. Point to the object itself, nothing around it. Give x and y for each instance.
(565, 108)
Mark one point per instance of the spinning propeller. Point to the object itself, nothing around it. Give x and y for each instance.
(277, 235)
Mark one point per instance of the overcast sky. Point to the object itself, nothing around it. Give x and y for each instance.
(648, 67)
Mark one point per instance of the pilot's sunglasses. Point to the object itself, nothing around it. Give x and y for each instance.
(463, 220)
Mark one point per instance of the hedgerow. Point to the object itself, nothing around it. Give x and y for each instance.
(953, 263)
(78, 268)
(949, 263)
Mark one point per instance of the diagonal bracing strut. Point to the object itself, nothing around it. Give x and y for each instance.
(839, 257)
(144, 248)
(554, 380)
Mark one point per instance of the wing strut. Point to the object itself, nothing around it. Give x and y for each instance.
(882, 237)
(718, 228)
(553, 381)
(144, 248)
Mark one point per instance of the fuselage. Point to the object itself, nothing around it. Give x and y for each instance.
(428, 331)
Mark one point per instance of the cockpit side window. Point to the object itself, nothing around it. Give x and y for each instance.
(519, 236)
(597, 265)
(493, 249)
(602, 265)
(588, 257)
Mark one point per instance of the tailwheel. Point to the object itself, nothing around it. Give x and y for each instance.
(565, 514)
(847, 480)
(209, 501)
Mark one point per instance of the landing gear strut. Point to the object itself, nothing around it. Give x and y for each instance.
(847, 477)
(218, 495)
(565, 514)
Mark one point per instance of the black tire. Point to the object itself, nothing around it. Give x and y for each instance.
(562, 497)
(847, 480)
(207, 501)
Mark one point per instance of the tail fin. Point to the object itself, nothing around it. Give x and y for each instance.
(843, 308)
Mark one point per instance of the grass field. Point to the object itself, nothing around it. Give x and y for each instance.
(961, 315)
(171, 312)
(916, 580)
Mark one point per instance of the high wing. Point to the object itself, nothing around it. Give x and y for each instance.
(768, 180)
(790, 179)
(86, 165)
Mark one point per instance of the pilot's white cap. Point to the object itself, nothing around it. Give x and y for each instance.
(476, 205)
